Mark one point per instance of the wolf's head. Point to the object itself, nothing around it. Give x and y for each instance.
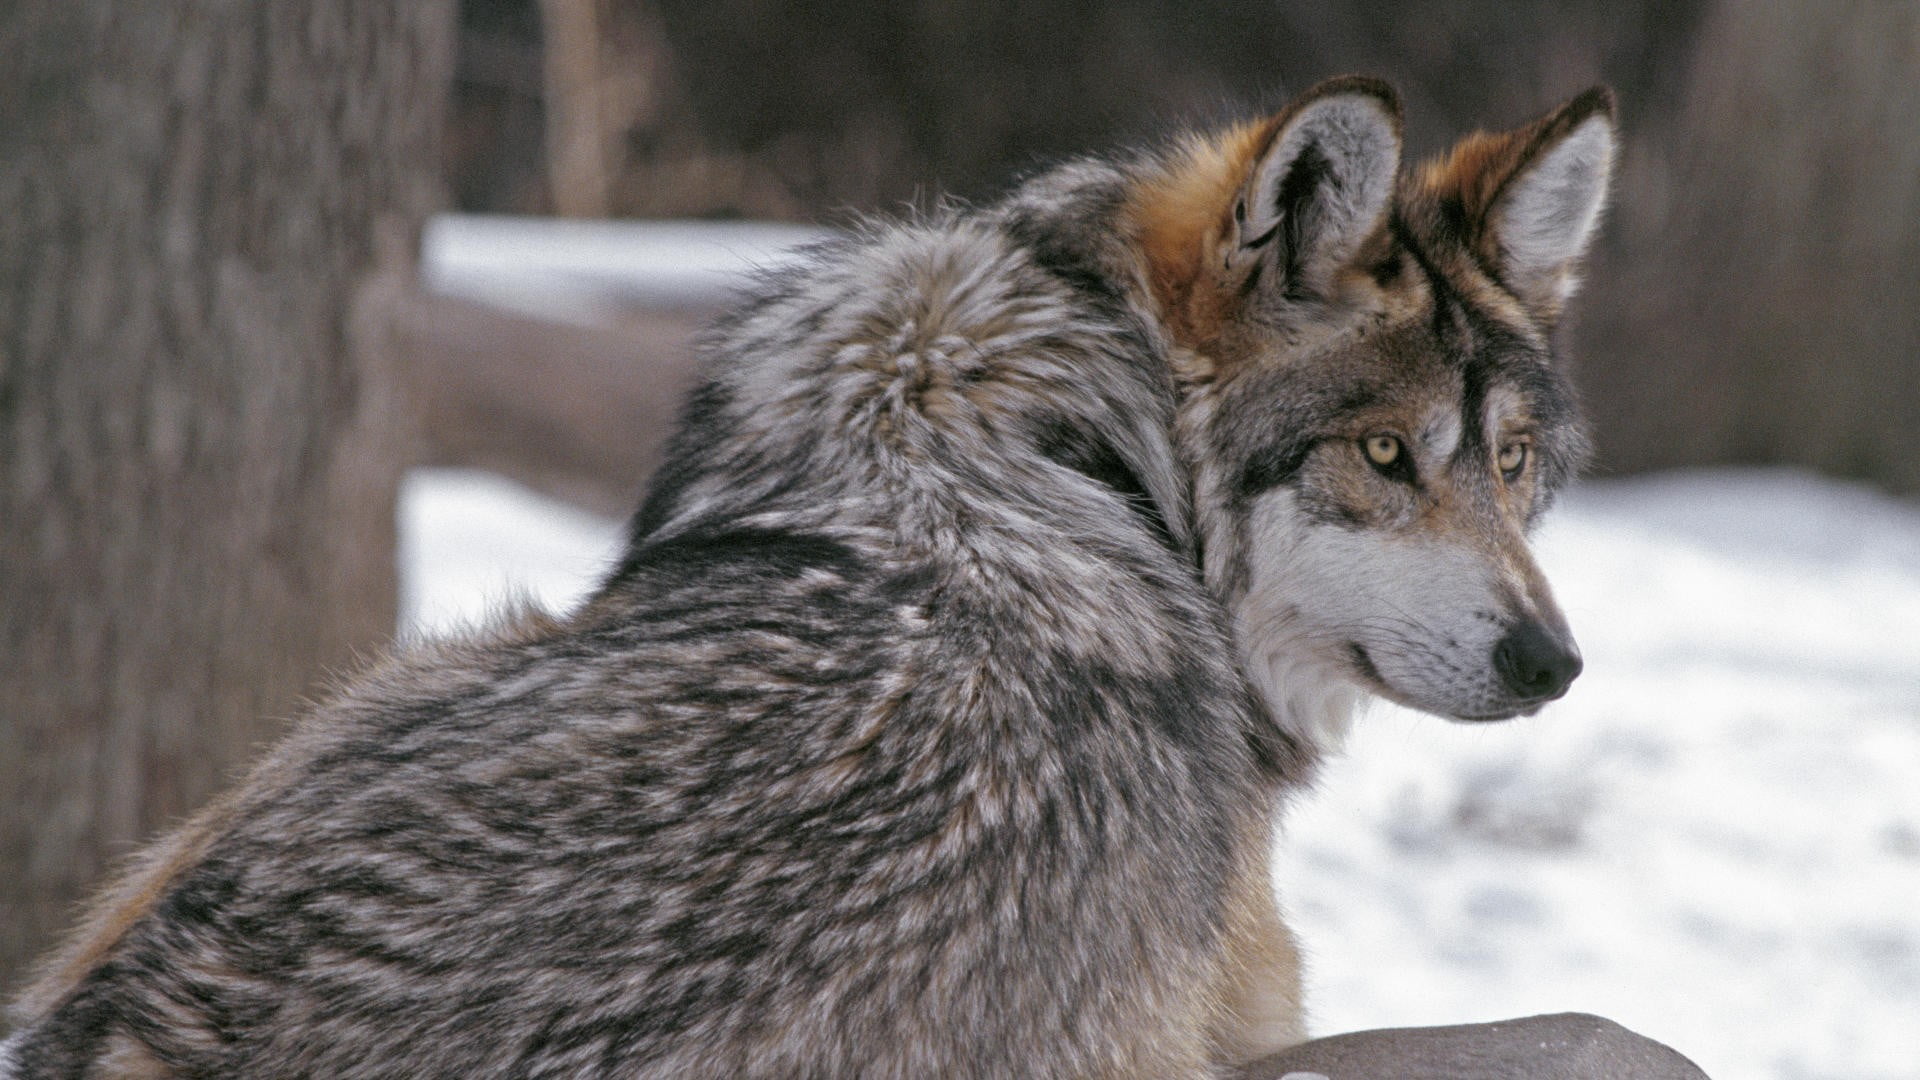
(1371, 407)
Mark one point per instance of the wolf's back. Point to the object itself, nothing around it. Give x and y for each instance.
(901, 742)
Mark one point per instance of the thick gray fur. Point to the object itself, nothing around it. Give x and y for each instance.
(894, 743)
(913, 735)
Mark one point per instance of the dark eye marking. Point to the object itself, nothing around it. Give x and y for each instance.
(1273, 466)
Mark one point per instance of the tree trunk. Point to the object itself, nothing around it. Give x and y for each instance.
(209, 206)
(576, 139)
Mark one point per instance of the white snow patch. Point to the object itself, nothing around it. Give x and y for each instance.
(584, 271)
(473, 543)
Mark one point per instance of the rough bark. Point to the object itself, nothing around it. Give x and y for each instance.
(209, 207)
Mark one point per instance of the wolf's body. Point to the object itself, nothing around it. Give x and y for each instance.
(1009, 568)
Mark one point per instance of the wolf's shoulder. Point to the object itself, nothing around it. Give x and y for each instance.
(954, 358)
(943, 288)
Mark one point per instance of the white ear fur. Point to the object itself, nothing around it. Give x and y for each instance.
(1332, 167)
(1547, 214)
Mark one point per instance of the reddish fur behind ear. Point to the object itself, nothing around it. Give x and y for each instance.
(1183, 217)
(1182, 213)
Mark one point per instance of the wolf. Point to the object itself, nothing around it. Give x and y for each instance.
(1009, 568)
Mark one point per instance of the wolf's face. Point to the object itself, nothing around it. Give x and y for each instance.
(1372, 411)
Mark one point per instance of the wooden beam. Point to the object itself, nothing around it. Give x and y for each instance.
(579, 412)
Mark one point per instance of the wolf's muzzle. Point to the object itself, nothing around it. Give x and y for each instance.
(1535, 663)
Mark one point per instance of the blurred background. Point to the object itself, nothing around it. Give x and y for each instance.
(1752, 300)
(259, 261)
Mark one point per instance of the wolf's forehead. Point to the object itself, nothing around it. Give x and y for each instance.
(1443, 378)
(1438, 430)
(1431, 270)
(1452, 318)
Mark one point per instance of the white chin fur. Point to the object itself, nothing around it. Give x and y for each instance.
(1312, 704)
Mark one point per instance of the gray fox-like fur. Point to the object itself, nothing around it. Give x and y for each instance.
(935, 721)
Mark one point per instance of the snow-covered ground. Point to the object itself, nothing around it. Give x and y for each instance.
(1715, 839)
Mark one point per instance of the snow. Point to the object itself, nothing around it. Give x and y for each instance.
(1714, 839)
(473, 543)
(588, 271)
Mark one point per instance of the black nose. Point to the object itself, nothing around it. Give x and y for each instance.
(1535, 664)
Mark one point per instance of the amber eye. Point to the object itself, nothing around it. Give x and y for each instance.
(1383, 450)
(1513, 458)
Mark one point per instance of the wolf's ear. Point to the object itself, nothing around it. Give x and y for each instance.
(1321, 187)
(1534, 196)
